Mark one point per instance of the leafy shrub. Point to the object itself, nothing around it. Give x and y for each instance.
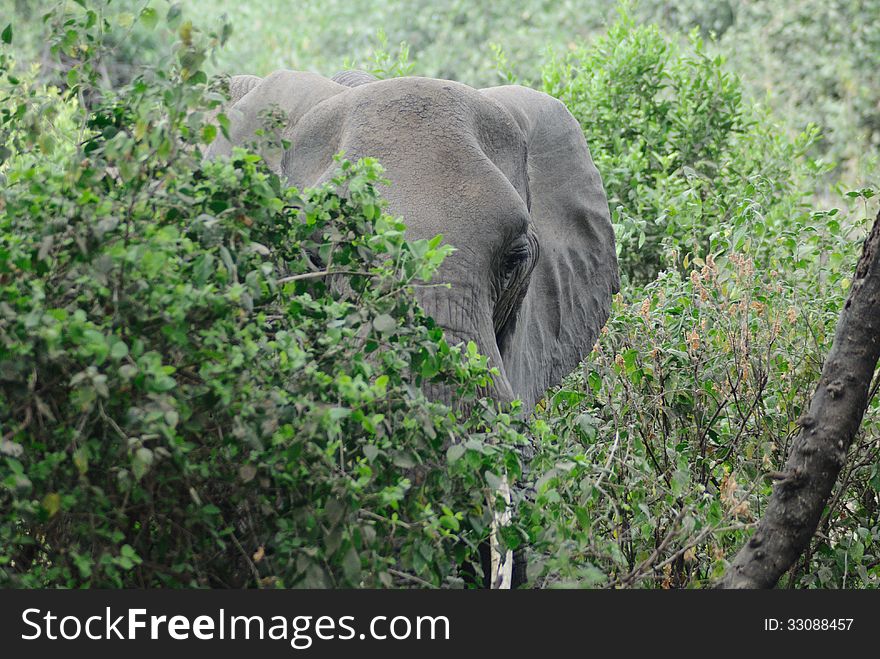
(184, 399)
(660, 452)
(655, 458)
(381, 63)
(678, 149)
(124, 47)
(813, 62)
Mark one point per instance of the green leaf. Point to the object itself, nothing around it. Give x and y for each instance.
(223, 120)
(149, 17)
(209, 133)
(454, 452)
(119, 350)
(174, 15)
(7, 34)
(52, 503)
(450, 522)
(384, 323)
(140, 463)
(493, 480)
(81, 461)
(351, 566)
(83, 564)
(371, 452)
(247, 472)
(404, 460)
(334, 510)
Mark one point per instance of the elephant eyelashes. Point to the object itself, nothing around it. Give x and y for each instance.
(516, 268)
(518, 261)
(514, 260)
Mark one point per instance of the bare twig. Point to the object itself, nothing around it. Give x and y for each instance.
(321, 273)
(411, 577)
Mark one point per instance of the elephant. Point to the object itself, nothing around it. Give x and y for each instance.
(503, 173)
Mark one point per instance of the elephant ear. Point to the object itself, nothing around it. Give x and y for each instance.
(295, 93)
(569, 296)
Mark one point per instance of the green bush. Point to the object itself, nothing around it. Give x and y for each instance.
(184, 399)
(124, 47)
(678, 148)
(658, 455)
(812, 61)
(655, 459)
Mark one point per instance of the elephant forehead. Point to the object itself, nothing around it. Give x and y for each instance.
(438, 118)
(472, 207)
(427, 100)
(456, 160)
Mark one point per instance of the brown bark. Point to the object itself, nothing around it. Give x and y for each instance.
(826, 433)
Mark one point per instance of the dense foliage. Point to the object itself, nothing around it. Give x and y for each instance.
(812, 61)
(187, 399)
(184, 399)
(678, 148)
(661, 451)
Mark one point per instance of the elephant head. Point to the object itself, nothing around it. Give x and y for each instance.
(503, 173)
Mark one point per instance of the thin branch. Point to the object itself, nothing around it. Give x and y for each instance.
(411, 577)
(322, 273)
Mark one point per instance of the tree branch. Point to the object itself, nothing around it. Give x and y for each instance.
(826, 432)
(321, 273)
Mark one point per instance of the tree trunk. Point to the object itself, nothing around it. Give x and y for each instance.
(826, 433)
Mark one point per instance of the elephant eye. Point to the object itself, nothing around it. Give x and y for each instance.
(514, 259)
(516, 268)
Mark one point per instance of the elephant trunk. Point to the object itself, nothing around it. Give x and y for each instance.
(464, 316)
(461, 323)
(498, 564)
(499, 390)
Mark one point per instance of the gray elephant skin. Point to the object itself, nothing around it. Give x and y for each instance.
(504, 174)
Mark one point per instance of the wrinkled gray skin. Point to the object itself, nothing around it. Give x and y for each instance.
(503, 173)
